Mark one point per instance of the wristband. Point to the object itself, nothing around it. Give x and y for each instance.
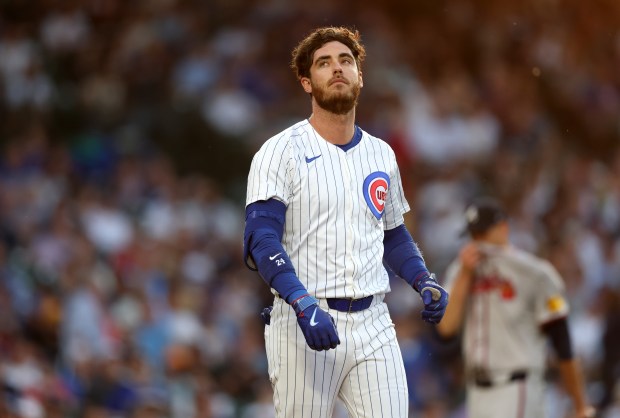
(423, 278)
(302, 303)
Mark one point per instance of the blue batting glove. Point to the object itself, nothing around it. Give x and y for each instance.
(434, 297)
(318, 326)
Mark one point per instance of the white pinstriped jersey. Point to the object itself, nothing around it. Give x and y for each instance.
(338, 205)
(512, 295)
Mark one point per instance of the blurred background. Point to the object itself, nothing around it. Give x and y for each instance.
(127, 130)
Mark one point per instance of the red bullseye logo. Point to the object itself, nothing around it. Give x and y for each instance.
(375, 192)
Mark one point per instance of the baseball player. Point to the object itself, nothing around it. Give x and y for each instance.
(324, 209)
(509, 303)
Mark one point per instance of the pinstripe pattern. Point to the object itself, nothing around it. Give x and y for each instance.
(334, 236)
(365, 371)
(331, 235)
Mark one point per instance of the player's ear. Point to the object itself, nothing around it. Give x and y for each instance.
(361, 79)
(305, 83)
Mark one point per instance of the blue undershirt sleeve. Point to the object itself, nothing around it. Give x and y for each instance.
(402, 255)
(558, 333)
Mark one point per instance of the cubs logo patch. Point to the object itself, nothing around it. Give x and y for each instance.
(375, 192)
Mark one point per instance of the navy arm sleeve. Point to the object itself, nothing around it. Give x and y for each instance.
(402, 255)
(263, 250)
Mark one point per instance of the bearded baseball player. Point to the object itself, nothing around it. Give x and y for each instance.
(324, 209)
(508, 303)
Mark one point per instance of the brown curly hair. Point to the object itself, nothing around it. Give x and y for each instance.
(303, 53)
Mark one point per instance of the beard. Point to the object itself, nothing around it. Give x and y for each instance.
(339, 102)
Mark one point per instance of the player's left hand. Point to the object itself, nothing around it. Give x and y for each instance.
(435, 299)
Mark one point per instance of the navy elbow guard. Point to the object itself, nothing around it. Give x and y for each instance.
(263, 250)
(269, 255)
(263, 219)
(275, 266)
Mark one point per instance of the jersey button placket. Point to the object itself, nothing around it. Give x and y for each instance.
(344, 163)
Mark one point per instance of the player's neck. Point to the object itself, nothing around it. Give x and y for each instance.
(337, 129)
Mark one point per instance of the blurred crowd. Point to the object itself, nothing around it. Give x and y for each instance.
(127, 132)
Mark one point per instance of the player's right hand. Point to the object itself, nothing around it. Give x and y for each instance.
(318, 326)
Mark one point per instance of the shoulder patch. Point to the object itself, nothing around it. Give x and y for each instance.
(556, 304)
(375, 192)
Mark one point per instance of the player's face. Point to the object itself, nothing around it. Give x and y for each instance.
(335, 81)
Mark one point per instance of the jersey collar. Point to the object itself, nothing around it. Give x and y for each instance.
(357, 137)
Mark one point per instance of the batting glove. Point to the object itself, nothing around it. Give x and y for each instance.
(434, 297)
(318, 326)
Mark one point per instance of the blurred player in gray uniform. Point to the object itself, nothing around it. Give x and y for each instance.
(508, 303)
(324, 210)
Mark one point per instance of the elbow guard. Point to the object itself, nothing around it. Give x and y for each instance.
(262, 219)
(269, 255)
(263, 250)
(262, 246)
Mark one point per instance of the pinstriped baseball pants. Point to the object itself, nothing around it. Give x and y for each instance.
(365, 371)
